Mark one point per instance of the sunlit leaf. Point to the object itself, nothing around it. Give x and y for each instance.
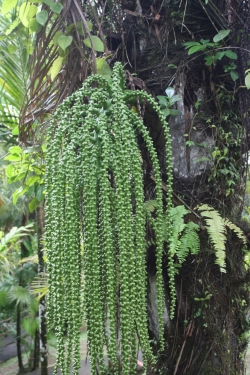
(8, 5)
(56, 67)
(26, 12)
(15, 150)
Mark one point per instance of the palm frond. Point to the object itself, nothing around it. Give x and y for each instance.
(19, 295)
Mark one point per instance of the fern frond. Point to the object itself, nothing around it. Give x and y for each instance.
(236, 230)
(215, 226)
(189, 241)
(150, 205)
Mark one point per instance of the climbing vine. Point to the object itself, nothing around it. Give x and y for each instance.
(95, 198)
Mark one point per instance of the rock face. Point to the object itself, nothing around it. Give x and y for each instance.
(191, 142)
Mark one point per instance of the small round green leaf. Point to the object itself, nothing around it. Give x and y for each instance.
(56, 8)
(34, 26)
(64, 41)
(234, 75)
(42, 17)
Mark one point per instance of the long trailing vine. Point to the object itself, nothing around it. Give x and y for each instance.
(95, 199)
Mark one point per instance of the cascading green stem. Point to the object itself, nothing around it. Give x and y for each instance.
(94, 200)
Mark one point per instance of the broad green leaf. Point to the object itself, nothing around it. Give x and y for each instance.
(97, 43)
(15, 150)
(40, 192)
(234, 75)
(196, 49)
(31, 325)
(15, 131)
(166, 112)
(13, 157)
(231, 54)
(174, 99)
(32, 12)
(209, 60)
(64, 41)
(56, 36)
(219, 55)
(162, 100)
(18, 193)
(222, 34)
(204, 41)
(70, 28)
(247, 81)
(191, 44)
(8, 5)
(34, 26)
(26, 12)
(80, 28)
(174, 112)
(33, 204)
(56, 8)
(103, 68)
(56, 67)
(48, 2)
(169, 92)
(23, 13)
(42, 17)
(10, 170)
(32, 180)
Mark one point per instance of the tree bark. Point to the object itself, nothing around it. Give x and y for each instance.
(18, 339)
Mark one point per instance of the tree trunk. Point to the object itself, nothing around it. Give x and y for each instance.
(42, 302)
(36, 351)
(18, 339)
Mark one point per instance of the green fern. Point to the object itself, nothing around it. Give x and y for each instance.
(236, 230)
(184, 238)
(190, 241)
(216, 229)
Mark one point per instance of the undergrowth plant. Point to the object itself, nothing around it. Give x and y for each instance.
(95, 196)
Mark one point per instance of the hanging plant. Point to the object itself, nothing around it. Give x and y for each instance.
(95, 198)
